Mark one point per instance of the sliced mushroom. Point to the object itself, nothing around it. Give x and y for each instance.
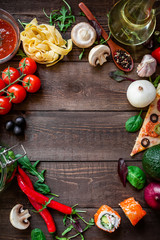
(19, 217)
(83, 35)
(98, 55)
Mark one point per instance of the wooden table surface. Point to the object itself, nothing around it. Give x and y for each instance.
(75, 127)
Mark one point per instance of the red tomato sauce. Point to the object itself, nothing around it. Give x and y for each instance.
(8, 38)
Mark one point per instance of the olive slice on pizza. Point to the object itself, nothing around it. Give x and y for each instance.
(149, 134)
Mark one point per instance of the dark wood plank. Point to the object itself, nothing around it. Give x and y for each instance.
(37, 6)
(88, 184)
(82, 183)
(77, 136)
(77, 87)
(145, 229)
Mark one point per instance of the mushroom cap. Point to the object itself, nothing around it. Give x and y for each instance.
(19, 217)
(83, 35)
(98, 55)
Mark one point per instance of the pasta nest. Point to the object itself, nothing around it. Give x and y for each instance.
(44, 43)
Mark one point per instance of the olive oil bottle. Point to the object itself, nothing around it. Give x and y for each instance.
(132, 22)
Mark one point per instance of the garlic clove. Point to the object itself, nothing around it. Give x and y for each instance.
(147, 66)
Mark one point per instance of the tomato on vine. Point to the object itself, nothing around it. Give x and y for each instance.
(10, 74)
(5, 105)
(16, 93)
(27, 66)
(2, 85)
(31, 83)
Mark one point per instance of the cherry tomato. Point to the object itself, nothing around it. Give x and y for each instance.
(2, 85)
(27, 66)
(5, 105)
(16, 93)
(31, 83)
(10, 74)
(156, 54)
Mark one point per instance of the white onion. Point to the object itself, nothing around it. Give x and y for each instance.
(141, 93)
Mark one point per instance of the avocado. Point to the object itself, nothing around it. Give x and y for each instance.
(151, 162)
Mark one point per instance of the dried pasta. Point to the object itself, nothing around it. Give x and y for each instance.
(44, 43)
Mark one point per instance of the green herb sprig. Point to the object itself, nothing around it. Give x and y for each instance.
(32, 169)
(81, 54)
(21, 53)
(63, 17)
(74, 219)
(44, 205)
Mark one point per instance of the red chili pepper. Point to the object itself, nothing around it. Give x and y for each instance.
(44, 213)
(38, 197)
(156, 54)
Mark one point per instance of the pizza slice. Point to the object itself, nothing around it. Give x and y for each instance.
(149, 134)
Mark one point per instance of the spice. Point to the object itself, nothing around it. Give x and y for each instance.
(123, 59)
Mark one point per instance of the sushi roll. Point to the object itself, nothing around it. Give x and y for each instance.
(107, 219)
(132, 210)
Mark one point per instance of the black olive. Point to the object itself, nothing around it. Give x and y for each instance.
(20, 121)
(9, 125)
(145, 142)
(18, 130)
(154, 118)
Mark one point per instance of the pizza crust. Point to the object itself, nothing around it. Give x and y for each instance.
(143, 133)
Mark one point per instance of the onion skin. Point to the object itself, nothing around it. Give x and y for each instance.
(152, 195)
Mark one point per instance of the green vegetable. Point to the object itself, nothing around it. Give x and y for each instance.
(82, 14)
(25, 163)
(81, 54)
(156, 81)
(102, 41)
(21, 53)
(23, 24)
(136, 177)
(119, 76)
(157, 129)
(37, 234)
(151, 161)
(134, 123)
(42, 188)
(44, 205)
(64, 17)
(68, 229)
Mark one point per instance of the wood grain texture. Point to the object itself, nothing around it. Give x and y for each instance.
(74, 136)
(146, 228)
(82, 183)
(75, 126)
(77, 87)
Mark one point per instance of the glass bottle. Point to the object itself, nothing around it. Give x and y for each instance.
(132, 22)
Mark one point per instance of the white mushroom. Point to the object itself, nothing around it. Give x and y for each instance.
(19, 217)
(83, 35)
(98, 55)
